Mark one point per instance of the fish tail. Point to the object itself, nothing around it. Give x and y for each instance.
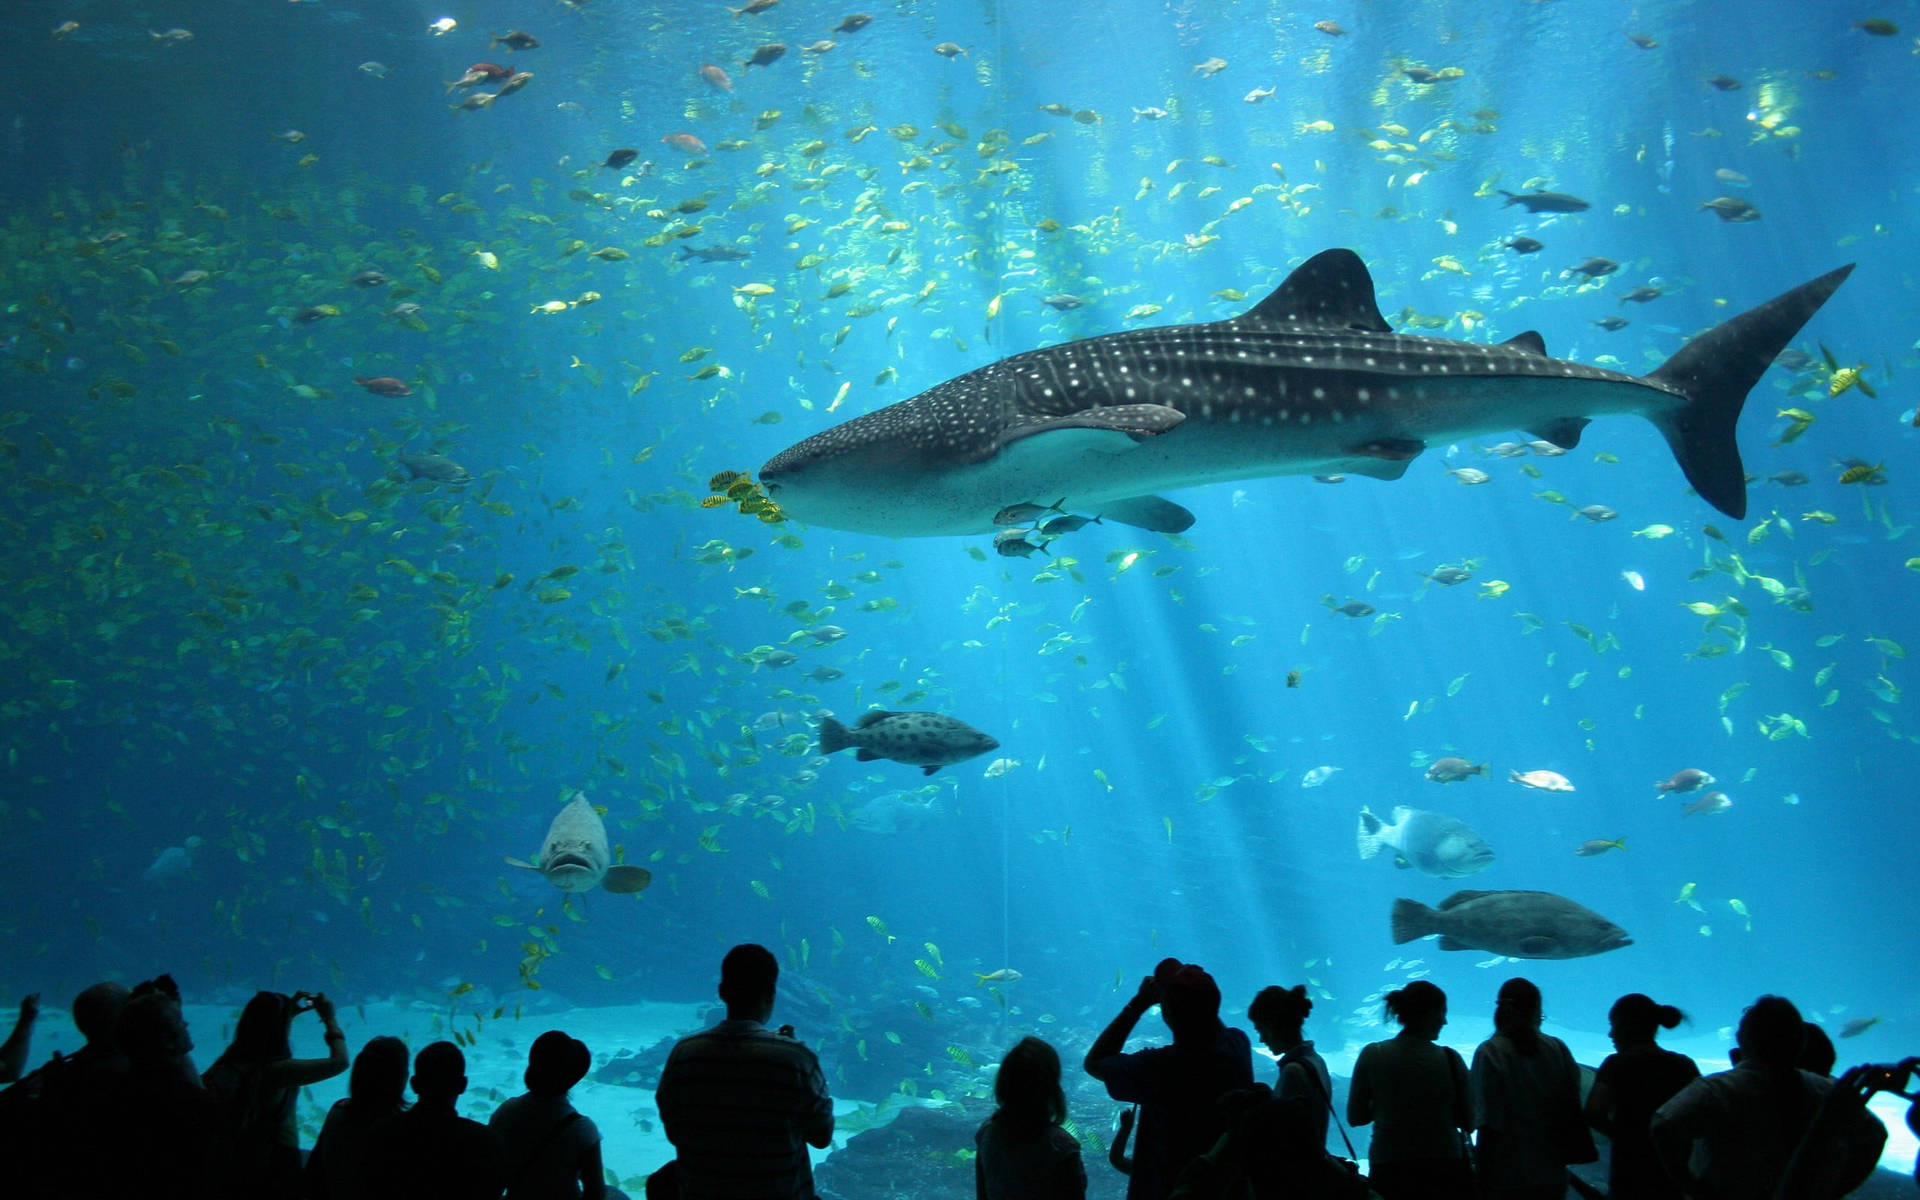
(1368, 836)
(834, 736)
(1412, 919)
(1715, 371)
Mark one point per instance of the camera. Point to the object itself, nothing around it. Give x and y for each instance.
(1896, 1079)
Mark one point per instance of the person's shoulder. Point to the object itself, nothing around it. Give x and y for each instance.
(1062, 1142)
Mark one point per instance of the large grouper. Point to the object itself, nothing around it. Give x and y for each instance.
(1310, 381)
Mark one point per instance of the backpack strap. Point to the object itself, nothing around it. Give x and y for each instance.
(1289, 1059)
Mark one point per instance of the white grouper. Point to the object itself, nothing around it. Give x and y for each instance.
(1310, 381)
(1432, 843)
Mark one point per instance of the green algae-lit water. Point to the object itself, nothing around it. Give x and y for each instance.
(276, 711)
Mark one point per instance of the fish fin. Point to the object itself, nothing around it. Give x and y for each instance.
(1620, 843)
(928, 770)
(1368, 837)
(1332, 289)
(834, 736)
(1412, 919)
(625, 880)
(873, 717)
(1459, 898)
(1564, 433)
(1151, 513)
(520, 862)
(1715, 371)
(1394, 450)
(1448, 942)
(1530, 341)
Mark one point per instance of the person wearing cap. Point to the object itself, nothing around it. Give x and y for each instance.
(1177, 1087)
(552, 1152)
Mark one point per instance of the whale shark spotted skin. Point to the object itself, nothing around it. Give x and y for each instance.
(1311, 381)
(575, 856)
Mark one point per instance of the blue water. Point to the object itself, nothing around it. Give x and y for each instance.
(221, 624)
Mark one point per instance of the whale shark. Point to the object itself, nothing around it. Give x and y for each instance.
(1310, 381)
(575, 856)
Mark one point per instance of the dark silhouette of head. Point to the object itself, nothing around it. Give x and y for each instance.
(151, 1032)
(1636, 1016)
(261, 1035)
(1419, 1005)
(1516, 1014)
(1189, 1000)
(439, 1073)
(1771, 1033)
(1281, 1011)
(1027, 1086)
(748, 976)
(1816, 1052)
(555, 1063)
(378, 1083)
(96, 1009)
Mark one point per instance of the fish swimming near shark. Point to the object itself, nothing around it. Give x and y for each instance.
(1310, 381)
(576, 857)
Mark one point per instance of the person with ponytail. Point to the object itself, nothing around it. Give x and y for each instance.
(1635, 1080)
(1414, 1094)
(1526, 1103)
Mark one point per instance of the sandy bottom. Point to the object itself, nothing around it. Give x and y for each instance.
(633, 1143)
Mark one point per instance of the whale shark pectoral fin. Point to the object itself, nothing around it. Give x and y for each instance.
(520, 862)
(1564, 433)
(1136, 421)
(625, 880)
(1386, 458)
(1151, 513)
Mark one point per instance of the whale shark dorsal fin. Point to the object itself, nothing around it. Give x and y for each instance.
(1332, 289)
(520, 862)
(1530, 341)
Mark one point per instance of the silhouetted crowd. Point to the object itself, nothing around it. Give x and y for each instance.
(741, 1103)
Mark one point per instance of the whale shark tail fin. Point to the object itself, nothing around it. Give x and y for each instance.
(1715, 371)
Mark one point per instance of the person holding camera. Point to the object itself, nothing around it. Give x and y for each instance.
(1731, 1135)
(740, 1102)
(257, 1081)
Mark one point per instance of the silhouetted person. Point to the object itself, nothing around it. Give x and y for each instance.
(257, 1082)
(1729, 1135)
(1177, 1087)
(741, 1103)
(1632, 1082)
(1279, 1016)
(54, 1118)
(553, 1152)
(1526, 1086)
(1816, 1052)
(1022, 1152)
(430, 1150)
(1414, 1093)
(376, 1089)
(163, 1134)
(19, 1043)
(1283, 1138)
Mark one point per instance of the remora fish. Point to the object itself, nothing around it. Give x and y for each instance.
(1433, 843)
(1516, 924)
(575, 856)
(1311, 381)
